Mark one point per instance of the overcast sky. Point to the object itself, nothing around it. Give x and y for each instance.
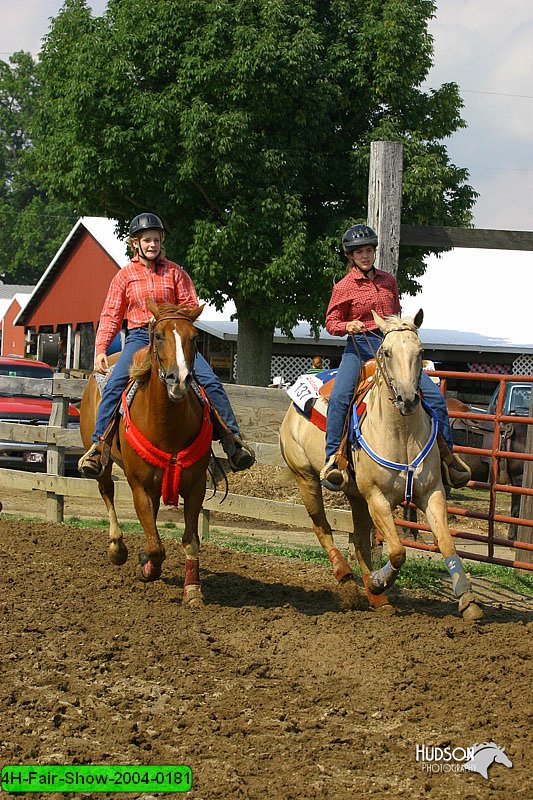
(487, 49)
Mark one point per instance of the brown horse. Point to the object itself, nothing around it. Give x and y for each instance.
(397, 446)
(479, 433)
(162, 443)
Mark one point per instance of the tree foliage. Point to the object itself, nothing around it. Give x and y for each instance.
(246, 125)
(33, 226)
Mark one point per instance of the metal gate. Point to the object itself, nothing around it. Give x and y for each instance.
(519, 549)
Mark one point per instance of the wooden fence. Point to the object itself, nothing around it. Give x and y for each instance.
(259, 411)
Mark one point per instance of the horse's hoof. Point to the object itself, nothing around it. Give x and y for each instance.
(118, 553)
(378, 602)
(381, 603)
(148, 571)
(469, 607)
(193, 597)
(376, 589)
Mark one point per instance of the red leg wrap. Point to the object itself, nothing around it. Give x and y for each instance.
(192, 572)
(375, 600)
(341, 570)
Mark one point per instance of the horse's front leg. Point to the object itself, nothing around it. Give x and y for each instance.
(192, 587)
(360, 542)
(118, 552)
(381, 513)
(434, 506)
(151, 560)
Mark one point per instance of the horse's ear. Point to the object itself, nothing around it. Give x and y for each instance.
(378, 320)
(152, 306)
(419, 318)
(194, 313)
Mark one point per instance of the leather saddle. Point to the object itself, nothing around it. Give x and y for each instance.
(366, 379)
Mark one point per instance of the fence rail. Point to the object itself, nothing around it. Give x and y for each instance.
(260, 412)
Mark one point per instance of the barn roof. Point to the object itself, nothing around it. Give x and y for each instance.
(9, 290)
(5, 302)
(432, 339)
(102, 230)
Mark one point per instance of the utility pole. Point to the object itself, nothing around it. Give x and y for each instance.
(385, 201)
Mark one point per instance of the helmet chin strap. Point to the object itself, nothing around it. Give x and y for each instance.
(143, 255)
(361, 270)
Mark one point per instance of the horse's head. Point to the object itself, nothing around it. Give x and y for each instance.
(400, 359)
(173, 345)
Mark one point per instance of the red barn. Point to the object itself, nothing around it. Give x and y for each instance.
(12, 300)
(62, 313)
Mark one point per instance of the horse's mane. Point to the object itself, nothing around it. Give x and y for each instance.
(183, 310)
(141, 371)
(395, 322)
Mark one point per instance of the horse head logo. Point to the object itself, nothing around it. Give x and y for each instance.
(484, 755)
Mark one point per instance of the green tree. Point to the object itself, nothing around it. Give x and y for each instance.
(33, 227)
(246, 125)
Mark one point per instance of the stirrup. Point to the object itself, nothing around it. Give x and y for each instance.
(90, 464)
(240, 456)
(332, 477)
(456, 475)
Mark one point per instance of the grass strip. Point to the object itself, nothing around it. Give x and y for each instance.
(417, 573)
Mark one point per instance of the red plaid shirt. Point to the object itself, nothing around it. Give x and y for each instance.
(355, 296)
(127, 293)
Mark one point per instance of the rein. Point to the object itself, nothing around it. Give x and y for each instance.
(393, 397)
(380, 361)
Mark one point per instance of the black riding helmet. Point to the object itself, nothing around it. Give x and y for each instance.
(144, 222)
(358, 235)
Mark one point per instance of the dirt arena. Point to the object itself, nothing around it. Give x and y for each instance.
(276, 689)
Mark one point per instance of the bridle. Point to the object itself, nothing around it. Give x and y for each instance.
(161, 373)
(382, 365)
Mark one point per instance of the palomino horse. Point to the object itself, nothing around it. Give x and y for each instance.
(395, 433)
(162, 443)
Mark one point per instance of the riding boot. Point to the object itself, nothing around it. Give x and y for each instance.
(90, 464)
(240, 456)
(455, 472)
(94, 461)
(333, 476)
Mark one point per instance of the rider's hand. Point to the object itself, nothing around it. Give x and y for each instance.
(101, 364)
(355, 326)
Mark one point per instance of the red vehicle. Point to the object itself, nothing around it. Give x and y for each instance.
(30, 410)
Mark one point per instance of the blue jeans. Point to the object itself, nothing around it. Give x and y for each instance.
(346, 381)
(116, 383)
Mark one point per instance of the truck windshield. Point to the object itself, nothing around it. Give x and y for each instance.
(517, 399)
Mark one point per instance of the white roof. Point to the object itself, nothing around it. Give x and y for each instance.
(431, 339)
(5, 303)
(473, 299)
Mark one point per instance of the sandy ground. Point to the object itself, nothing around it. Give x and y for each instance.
(284, 685)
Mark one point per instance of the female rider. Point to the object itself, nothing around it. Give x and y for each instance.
(364, 288)
(150, 274)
